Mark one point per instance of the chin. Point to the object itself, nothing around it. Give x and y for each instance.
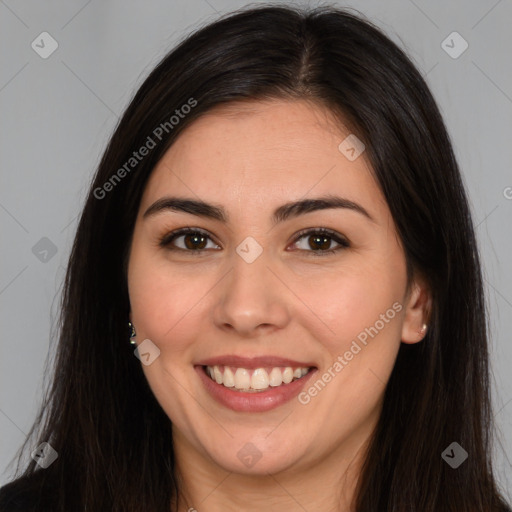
(256, 458)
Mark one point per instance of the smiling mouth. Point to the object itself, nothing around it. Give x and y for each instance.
(254, 380)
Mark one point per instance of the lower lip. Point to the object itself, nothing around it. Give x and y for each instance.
(253, 402)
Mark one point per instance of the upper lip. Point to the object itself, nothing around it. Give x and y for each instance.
(253, 362)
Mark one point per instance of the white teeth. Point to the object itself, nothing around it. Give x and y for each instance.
(276, 377)
(242, 379)
(260, 379)
(287, 375)
(217, 374)
(229, 378)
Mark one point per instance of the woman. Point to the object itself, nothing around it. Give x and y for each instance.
(274, 296)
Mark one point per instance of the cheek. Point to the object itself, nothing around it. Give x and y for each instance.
(364, 311)
(345, 302)
(164, 305)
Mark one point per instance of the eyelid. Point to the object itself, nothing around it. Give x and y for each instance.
(340, 239)
(166, 240)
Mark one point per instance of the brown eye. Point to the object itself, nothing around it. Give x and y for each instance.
(318, 241)
(193, 240)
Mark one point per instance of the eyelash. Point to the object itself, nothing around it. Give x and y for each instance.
(343, 243)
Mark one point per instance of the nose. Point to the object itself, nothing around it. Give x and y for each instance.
(251, 299)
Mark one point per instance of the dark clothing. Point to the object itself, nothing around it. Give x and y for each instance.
(26, 495)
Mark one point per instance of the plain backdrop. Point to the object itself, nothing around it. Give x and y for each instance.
(57, 112)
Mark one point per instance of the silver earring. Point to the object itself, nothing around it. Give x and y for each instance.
(423, 330)
(132, 333)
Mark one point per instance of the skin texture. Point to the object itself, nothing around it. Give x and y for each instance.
(251, 158)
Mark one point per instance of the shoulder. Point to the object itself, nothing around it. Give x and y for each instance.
(24, 495)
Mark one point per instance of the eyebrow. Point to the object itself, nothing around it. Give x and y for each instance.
(281, 214)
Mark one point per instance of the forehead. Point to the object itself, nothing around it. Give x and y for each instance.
(263, 152)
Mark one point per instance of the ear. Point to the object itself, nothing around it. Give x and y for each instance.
(417, 311)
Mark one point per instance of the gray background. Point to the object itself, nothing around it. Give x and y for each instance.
(58, 113)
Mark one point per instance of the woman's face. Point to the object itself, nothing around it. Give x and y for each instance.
(260, 293)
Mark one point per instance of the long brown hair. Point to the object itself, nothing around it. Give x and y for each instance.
(113, 439)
